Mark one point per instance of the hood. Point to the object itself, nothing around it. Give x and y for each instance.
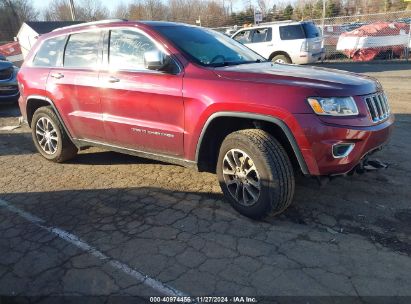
(5, 64)
(328, 82)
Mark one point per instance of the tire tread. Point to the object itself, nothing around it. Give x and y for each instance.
(277, 160)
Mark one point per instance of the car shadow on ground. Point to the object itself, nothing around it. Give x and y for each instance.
(106, 158)
(9, 109)
(16, 144)
(22, 144)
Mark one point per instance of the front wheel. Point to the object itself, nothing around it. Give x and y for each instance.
(255, 173)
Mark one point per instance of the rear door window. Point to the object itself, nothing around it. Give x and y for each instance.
(50, 52)
(82, 50)
(261, 35)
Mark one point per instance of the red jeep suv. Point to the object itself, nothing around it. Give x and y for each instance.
(194, 97)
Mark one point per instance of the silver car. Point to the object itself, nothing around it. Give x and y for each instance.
(9, 91)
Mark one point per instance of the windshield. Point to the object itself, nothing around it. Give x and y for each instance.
(207, 47)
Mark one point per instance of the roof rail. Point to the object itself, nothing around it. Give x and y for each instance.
(90, 23)
(276, 22)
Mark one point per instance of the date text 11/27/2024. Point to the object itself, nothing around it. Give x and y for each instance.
(203, 299)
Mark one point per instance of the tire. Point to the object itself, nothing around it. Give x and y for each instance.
(273, 173)
(281, 59)
(59, 147)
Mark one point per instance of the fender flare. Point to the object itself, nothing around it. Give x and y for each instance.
(278, 122)
(49, 101)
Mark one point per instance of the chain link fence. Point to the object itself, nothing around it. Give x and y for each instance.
(381, 36)
(367, 37)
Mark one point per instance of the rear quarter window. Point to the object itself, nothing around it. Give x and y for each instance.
(299, 31)
(291, 32)
(50, 52)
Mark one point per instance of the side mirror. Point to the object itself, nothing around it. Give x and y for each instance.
(154, 60)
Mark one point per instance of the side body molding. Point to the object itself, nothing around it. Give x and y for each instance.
(270, 119)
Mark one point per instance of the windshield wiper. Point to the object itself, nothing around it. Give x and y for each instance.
(253, 61)
(224, 63)
(229, 63)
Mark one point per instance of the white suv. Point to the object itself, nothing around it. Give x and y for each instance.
(284, 42)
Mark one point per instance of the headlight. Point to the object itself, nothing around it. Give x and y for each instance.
(334, 106)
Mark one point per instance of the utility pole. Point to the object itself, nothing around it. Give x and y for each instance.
(323, 19)
(408, 47)
(72, 10)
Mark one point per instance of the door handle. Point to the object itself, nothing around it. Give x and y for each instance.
(113, 79)
(57, 75)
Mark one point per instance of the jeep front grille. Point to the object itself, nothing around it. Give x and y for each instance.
(6, 73)
(8, 90)
(378, 106)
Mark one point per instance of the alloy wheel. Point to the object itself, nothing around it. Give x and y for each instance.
(46, 135)
(241, 177)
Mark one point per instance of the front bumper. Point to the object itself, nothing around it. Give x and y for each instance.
(10, 95)
(320, 138)
(9, 90)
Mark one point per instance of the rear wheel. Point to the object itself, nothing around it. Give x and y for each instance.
(49, 136)
(281, 59)
(255, 173)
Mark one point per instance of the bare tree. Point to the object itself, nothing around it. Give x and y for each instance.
(230, 5)
(121, 11)
(265, 6)
(91, 10)
(211, 12)
(12, 14)
(24, 9)
(86, 10)
(215, 14)
(248, 4)
(137, 11)
(58, 10)
(155, 10)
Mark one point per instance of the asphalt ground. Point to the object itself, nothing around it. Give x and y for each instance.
(112, 226)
